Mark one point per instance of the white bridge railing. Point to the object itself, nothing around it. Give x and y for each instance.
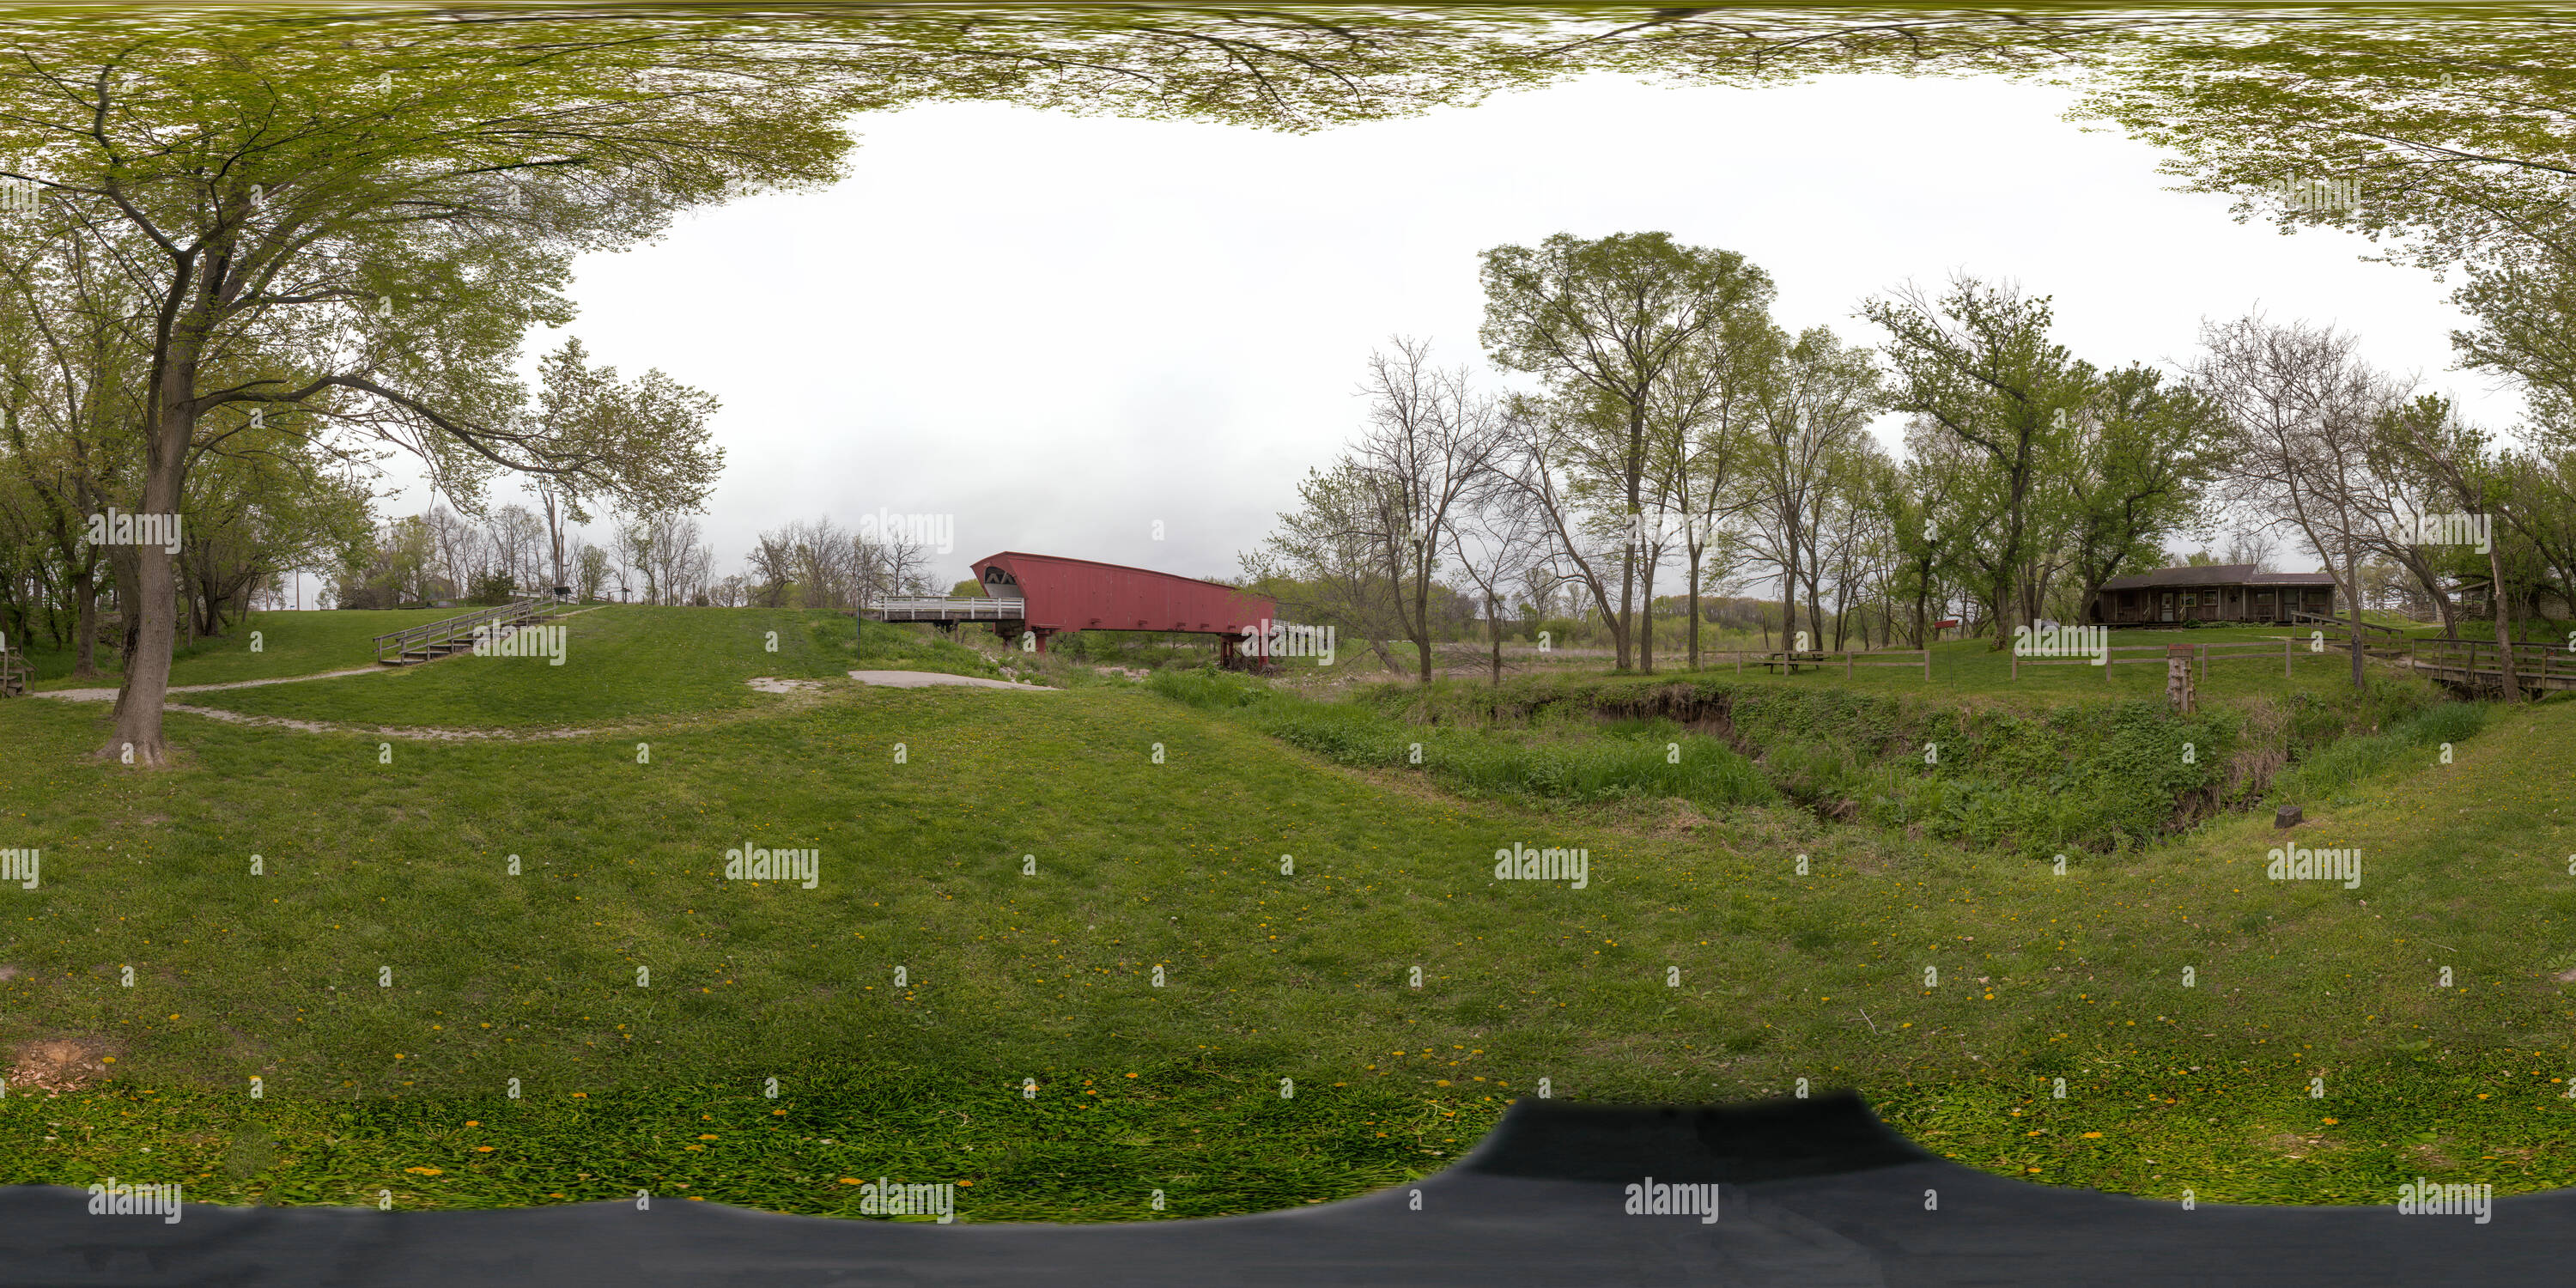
(931, 608)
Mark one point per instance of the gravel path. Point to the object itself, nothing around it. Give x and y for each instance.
(924, 679)
(109, 695)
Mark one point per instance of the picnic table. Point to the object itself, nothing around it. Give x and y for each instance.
(1793, 659)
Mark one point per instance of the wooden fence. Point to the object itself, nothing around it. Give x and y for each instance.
(2200, 653)
(2539, 666)
(1791, 659)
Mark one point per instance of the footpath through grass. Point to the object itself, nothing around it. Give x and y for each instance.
(622, 663)
(286, 643)
(1029, 862)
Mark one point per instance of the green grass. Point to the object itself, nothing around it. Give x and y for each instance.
(621, 663)
(2091, 772)
(1271, 974)
(1976, 667)
(286, 643)
(1641, 758)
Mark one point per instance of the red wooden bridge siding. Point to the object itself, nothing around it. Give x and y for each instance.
(1065, 595)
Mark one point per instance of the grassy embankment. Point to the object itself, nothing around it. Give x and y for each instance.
(1270, 975)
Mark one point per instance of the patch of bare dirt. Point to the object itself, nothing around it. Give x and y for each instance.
(767, 684)
(57, 1065)
(2293, 1145)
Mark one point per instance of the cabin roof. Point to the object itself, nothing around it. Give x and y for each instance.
(2217, 575)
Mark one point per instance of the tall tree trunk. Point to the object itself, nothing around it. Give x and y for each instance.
(1420, 626)
(554, 530)
(2503, 623)
(85, 591)
(1646, 619)
(1694, 606)
(1789, 605)
(152, 626)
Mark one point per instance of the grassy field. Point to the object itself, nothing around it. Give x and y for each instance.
(1029, 861)
(621, 664)
(288, 643)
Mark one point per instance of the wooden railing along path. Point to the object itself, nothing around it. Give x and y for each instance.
(456, 634)
(14, 672)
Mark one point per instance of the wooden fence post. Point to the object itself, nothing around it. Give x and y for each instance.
(2285, 657)
(1927, 664)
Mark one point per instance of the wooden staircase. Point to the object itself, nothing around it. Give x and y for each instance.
(456, 634)
(13, 674)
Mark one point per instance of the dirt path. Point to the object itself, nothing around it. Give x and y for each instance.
(926, 679)
(109, 695)
(387, 731)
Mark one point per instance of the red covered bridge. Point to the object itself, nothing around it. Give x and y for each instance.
(1048, 595)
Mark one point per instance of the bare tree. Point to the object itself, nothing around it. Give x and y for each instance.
(626, 543)
(518, 545)
(1499, 540)
(2302, 405)
(2254, 547)
(2428, 433)
(1430, 441)
(1541, 440)
(1373, 530)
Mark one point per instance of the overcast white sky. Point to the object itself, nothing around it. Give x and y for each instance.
(1062, 330)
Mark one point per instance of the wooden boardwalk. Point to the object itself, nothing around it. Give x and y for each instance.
(456, 634)
(2471, 664)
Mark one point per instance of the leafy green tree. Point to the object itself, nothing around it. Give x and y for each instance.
(1811, 401)
(1978, 362)
(2132, 473)
(262, 503)
(393, 206)
(654, 425)
(2445, 141)
(1611, 325)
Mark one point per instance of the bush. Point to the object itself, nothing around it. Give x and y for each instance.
(2329, 770)
(1646, 758)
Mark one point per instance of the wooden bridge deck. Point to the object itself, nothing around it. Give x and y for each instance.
(2544, 668)
(456, 634)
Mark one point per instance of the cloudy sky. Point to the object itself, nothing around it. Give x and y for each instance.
(1063, 331)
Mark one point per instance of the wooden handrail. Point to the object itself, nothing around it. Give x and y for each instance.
(453, 628)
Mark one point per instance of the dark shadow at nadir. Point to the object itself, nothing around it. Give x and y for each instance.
(1806, 1194)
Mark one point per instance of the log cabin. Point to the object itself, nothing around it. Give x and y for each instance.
(2212, 593)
